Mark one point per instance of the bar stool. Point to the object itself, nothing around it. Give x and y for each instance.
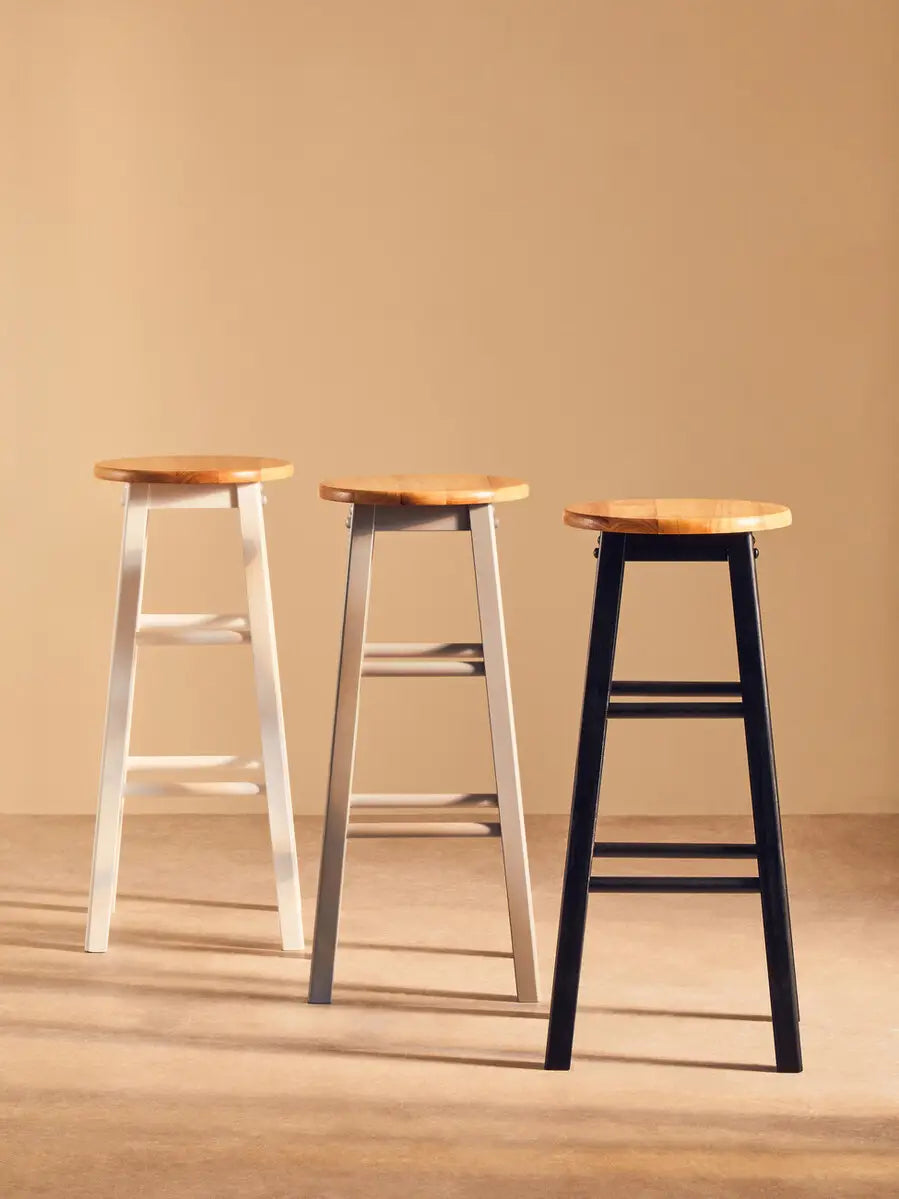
(408, 504)
(192, 482)
(676, 531)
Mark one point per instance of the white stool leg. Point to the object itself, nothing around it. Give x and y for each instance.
(119, 703)
(118, 853)
(271, 716)
(505, 753)
(343, 753)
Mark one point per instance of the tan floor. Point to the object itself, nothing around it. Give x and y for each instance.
(185, 1061)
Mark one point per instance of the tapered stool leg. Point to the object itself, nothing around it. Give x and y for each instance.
(343, 752)
(505, 753)
(765, 806)
(585, 801)
(271, 716)
(119, 704)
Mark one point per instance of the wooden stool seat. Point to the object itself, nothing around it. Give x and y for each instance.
(428, 491)
(677, 517)
(215, 470)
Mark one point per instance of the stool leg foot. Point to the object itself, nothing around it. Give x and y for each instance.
(119, 703)
(765, 807)
(271, 716)
(585, 802)
(505, 754)
(343, 752)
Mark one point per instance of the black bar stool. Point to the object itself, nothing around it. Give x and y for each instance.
(676, 531)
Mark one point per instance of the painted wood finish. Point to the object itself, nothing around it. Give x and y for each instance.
(505, 753)
(430, 491)
(343, 753)
(391, 815)
(193, 469)
(123, 774)
(672, 517)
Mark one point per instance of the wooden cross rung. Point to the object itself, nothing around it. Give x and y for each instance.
(192, 628)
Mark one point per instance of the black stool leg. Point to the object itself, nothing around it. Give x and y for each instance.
(765, 808)
(585, 801)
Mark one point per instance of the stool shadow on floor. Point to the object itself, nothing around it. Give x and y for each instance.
(35, 906)
(128, 896)
(426, 992)
(361, 996)
(39, 906)
(462, 951)
(285, 1046)
(462, 1059)
(674, 1013)
(199, 903)
(397, 999)
(192, 901)
(26, 941)
(32, 937)
(207, 943)
(360, 991)
(625, 1059)
(154, 988)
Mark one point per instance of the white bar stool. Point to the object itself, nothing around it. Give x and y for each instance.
(405, 504)
(192, 482)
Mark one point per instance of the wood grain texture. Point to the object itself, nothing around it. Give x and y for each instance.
(194, 468)
(430, 491)
(671, 517)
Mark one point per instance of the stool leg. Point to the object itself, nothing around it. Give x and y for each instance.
(505, 753)
(585, 801)
(343, 753)
(271, 716)
(119, 704)
(765, 807)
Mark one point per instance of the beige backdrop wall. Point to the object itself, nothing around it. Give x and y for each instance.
(614, 247)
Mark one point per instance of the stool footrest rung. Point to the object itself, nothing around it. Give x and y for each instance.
(192, 628)
(147, 763)
(685, 711)
(671, 849)
(654, 687)
(411, 659)
(424, 815)
(162, 788)
(145, 776)
(674, 884)
(454, 802)
(409, 668)
(422, 828)
(425, 650)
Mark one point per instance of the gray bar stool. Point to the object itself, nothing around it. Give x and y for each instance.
(408, 504)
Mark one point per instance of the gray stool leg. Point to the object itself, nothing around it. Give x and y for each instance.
(343, 752)
(505, 753)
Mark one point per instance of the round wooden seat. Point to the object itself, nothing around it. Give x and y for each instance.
(201, 469)
(426, 491)
(672, 517)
